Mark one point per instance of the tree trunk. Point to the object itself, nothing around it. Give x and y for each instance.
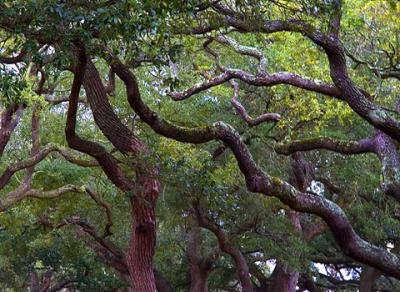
(368, 278)
(143, 236)
(284, 279)
(198, 281)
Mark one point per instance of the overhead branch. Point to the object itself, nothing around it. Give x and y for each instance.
(39, 156)
(244, 50)
(14, 59)
(259, 182)
(381, 145)
(346, 89)
(267, 117)
(20, 194)
(105, 159)
(342, 147)
(260, 80)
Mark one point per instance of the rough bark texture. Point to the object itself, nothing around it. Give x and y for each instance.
(144, 192)
(258, 181)
(143, 236)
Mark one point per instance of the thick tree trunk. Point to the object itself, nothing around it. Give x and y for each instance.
(143, 236)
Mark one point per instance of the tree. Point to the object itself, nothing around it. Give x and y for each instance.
(112, 73)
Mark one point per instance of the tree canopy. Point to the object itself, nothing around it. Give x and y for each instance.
(199, 145)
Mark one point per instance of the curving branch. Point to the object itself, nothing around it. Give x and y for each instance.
(381, 145)
(74, 159)
(105, 159)
(14, 59)
(343, 147)
(244, 50)
(242, 268)
(22, 193)
(355, 97)
(267, 117)
(39, 156)
(106, 207)
(262, 79)
(259, 182)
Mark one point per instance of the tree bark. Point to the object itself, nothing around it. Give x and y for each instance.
(8, 124)
(143, 236)
(199, 267)
(368, 278)
(284, 279)
(145, 193)
(242, 269)
(258, 181)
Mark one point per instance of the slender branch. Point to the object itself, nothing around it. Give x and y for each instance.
(39, 156)
(244, 50)
(242, 268)
(260, 80)
(23, 193)
(267, 117)
(106, 207)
